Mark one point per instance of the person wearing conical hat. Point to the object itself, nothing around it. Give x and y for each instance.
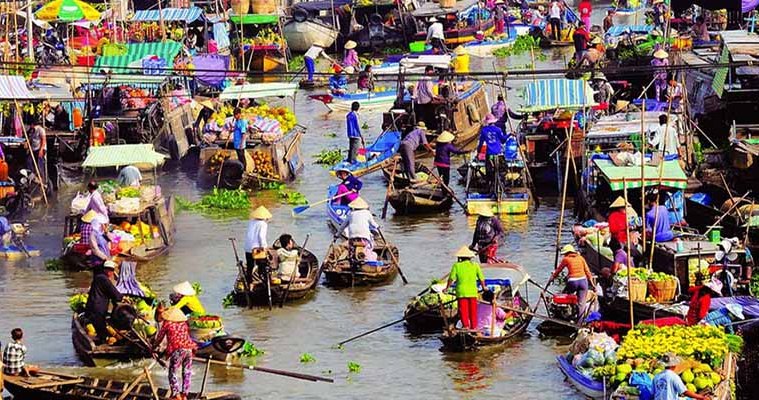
(466, 273)
(660, 62)
(92, 234)
(443, 150)
(349, 187)
(185, 298)
(460, 62)
(618, 219)
(255, 239)
(487, 230)
(351, 63)
(579, 279)
(360, 225)
(179, 349)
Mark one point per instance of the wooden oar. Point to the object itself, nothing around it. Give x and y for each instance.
(303, 208)
(448, 189)
(292, 276)
(390, 187)
(296, 375)
(243, 274)
(726, 213)
(392, 255)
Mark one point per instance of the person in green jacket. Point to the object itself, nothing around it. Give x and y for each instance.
(466, 273)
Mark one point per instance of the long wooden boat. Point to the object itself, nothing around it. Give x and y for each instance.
(303, 285)
(48, 385)
(420, 199)
(311, 22)
(589, 387)
(460, 11)
(401, 179)
(511, 202)
(339, 272)
(378, 155)
(369, 100)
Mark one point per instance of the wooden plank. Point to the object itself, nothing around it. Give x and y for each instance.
(55, 383)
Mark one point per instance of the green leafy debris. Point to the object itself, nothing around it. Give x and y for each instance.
(250, 350)
(354, 367)
(307, 358)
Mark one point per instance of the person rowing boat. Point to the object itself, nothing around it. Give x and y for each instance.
(466, 273)
(486, 233)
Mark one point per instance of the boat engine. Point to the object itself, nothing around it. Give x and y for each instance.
(563, 306)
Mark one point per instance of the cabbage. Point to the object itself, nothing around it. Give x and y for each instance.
(611, 357)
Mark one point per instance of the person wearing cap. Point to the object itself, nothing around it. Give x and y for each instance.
(96, 202)
(443, 150)
(579, 279)
(101, 294)
(668, 385)
(608, 21)
(360, 225)
(309, 58)
(349, 187)
(466, 273)
(354, 132)
(436, 36)
(255, 239)
(618, 220)
(366, 79)
(130, 176)
(180, 349)
(725, 316)
(499, 16)
(660, 62)
(701, 298)
(185, 298)
(487, 230)
(554, 12)
(492, 138)
(604, 90)
(338, 82)
(351, 63)
(410, 143)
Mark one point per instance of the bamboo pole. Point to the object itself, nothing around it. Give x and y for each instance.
(564, 192)
(643, 140)
(658, 192)
(34, 156)
(160, 19)
(629, 259)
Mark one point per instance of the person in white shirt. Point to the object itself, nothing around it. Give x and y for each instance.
(359, 225)
(288, 258)
(436, 36)
(664, 137)
(313, 52)
(555, 19)
(255, 240)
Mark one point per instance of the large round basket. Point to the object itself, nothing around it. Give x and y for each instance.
(263, 6)
(240, 7)
(663, 291)
(637, 290)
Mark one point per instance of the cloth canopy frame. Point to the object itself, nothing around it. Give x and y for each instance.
(120, 155)
(672, 175)
(259, 90)
(188, 15)
(167, 50)
(550, 94)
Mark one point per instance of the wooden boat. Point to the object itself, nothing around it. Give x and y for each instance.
(421, 198)
(486, 47)
(303, 285)
(377, 155)
(336, 212)
(512, 197)
(460, 11)
(48, 385)
(260, 57)
(401, 179)
(311, 22)
(369, 100)
(587, 386)
(341, 271)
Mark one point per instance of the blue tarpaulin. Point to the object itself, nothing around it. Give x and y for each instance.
(188, 15)
(550, 94)
(618, 30)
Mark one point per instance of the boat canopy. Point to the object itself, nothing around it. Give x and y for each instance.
(120, 155)
(619, 30)
(188, 15)
(321, 5)
(432, 9)
(14, 87)
(672, 175)
(550, 94)
(254, 19)
(135, 52)
(259, 90)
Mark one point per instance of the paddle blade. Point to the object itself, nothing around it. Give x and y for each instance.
(299, 209)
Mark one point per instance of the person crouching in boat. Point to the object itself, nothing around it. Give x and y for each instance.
(490, 314)
(348, 190)
(102, 293)
(185, 298)
(579, 279)
(486, 232)
(466, 273)
(287, 256)
(359, 225)
(180, 349)
(338, 82)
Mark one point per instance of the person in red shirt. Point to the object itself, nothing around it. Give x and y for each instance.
(585, 9)
(180, 348)
(618, 220)
(581, 38)
(701, 299)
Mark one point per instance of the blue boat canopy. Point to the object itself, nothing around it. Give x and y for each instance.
(619, 30)
(188, 15)
(321, 5)
(550, 94)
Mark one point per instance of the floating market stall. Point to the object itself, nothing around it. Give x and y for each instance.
(313, 22)
(273, 144)
(141, 219)
(258, 44)
(461, 21)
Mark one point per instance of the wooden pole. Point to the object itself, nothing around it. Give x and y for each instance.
(295, 375)
(564, 192)
(160, 19)
(390, 187)
(205, 379)
(643, 140)
(153, 390)
(31, 152)
(658, 191)
(629, 259)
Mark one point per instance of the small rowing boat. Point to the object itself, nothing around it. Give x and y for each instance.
(46, 385)
(343, 268)
(368, 100)
(420, 198)
(373, 157)
(486, 47)
(336, 211)
(587, 386)
(401, 179)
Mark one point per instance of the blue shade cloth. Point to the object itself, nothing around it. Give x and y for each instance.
(750, 304)
(549, 94)
(321, 5)
(187, 15)
(618, 30)
(128, 284)
(221, 35)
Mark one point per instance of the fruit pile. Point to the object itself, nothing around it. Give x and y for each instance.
(263, 165)
(705, 343)
(265, 37)
(215, 162)
(283, 115)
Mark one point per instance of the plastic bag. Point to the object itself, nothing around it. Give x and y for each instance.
(79, 203)
(644, 384)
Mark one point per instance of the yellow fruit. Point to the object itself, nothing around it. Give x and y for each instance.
(687, 376)
(90, 330)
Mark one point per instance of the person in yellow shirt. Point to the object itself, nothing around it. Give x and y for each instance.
(460, 61)
(186, 299)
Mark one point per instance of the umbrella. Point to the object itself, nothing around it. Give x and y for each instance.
(67, 10)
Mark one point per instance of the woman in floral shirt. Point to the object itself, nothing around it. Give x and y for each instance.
(180, 348)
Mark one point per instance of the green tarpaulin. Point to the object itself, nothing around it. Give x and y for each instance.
(672, 175)
(167, 50)
(121, 155)
(248, 19)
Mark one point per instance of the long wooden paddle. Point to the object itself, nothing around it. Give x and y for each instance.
(390, 187)
(296, 375)
(449, 190)
(292, 276)
(303, 208)
(392, 255)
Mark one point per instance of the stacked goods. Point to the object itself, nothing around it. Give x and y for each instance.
(145, 325)
(135, 99)
(662, 287)
(206, 327)
(591, 352)
(217, 159)
(432, 300)
(268, 119)
(263, 165)
(265, 37)
(638, 282)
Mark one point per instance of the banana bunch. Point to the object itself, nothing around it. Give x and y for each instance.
(266, 37)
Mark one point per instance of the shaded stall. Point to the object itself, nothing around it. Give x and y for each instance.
(257, 42)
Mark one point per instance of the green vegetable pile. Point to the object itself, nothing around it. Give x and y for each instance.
(109, 186)
(296, 63)
(77, 302)
(328, 157)
(53, 264)
(292, 197)
(228, 300)
(354, 367)
(128, 191)
(433, 300)
(523, 44)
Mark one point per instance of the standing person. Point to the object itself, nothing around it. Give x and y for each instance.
(354, 132)
(180, 348)
(349, 187)
(313, 52)
(240, 134)
(579, 279)
(424, 92)
(96, 203)
(130, 176)
(668, 385)
(503, 112)
(14, 356)
(255, 239)
(409, 144)
(493, 138)
(360, 225)
(581, 37)
(604, 91)
(657, 216)
(660, 14)
(661, 59)
(618, 220)
(466, 273)
(487, 230)
(351, 63)
(664, 137)
(555, 19)
(608, 20)
(443, 150)
(436, 36)
(37, 150)
(499, 15)
(675, 92)
(586, 9)
(102, 293)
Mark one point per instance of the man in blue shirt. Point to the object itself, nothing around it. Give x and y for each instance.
(657, 217)
(239, 135)
(354, 132)
(669, 386)
(492, 137)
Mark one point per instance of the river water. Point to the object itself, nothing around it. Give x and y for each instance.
(394, 363)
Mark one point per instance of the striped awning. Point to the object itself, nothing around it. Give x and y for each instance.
(187, 15)
(120, 155)
(14, 87)
(550, 94)
(167, 50)
(618, 30)
(254, 19)
(671, 173)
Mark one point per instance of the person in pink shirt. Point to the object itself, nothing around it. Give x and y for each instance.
(585, 9)
(485, 315)
(350, 61)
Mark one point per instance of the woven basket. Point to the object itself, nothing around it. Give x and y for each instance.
(637, 290)
(663, 291)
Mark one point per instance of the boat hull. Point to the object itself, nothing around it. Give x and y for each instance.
(409, 201)
(338, 272)
(503, 207)
(301, 35)
(368, 101)
(588, 387)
